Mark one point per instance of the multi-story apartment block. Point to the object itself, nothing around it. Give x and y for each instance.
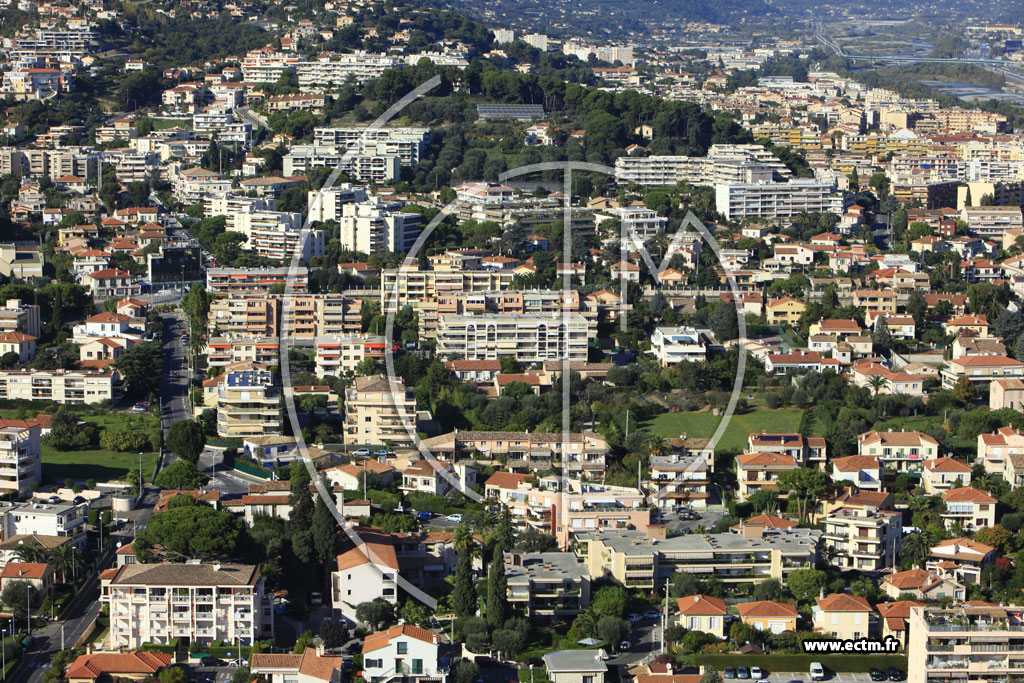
(531, 338)
(248, 402)
(992, 221)
(253, 280)
(403, 286)
(336, 356)
(679, 481)
(547, 584)
(158, 603)
(325, 204)
(375, 225)
(192, 185)
(245, 315)
(901, 451)
(17, 316)
(61, 386)
(336, 69)
(20, 456)
(980, 643)
(723, 164)
(379, 410)
(737, 201)
(408, 144)
(278, 235)
(224, 351)
(366, 168)
(509, 302)
(864, 538)
(640, 562)
(577, 454)
(981, 369)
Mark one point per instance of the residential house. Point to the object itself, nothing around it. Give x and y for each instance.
(893, 620)
(784, 311)
(769, 615)
(576, 666)
(122, 666)
(312, 666)
(995, 449)
(961, 559)
(862, 471)
(702, 613)
(981, 369)
(901, 451)
(943, 474)
(844, 616)
(969, 507)
(922, 585)
(755, 471)
(406, 653)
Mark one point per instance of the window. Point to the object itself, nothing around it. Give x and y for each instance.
(588, 679)
(402, 648)
(417, 666)
(835, 619)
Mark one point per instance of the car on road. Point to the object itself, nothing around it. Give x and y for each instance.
(756, 673)
(381, 452)
(624, 646)
(633, 618)
(212, 661)
(457, 518)
(742, 673)
(895, 674)
(424, 515)
(652, 614)
(729, 672)
(877, 675)
(361, 451)
(139, 408)
(817, 671)
(238, 662)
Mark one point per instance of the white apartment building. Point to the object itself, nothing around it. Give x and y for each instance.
(408, 144)
(20, 456)
(279, 235)
(980, 643)
(863, 538)
(230, 205)
(376, 225)
(17, 316)
(530, 338)
(157, 603)
(325, 204)
(337, 355)
(61, 519)
(992, 221)
(368, 168)
(248, 403)
(335, 70)
(60, 386)
(737, 201)
(378, 411)
(192, 185)
(265, 66)
(671, 345)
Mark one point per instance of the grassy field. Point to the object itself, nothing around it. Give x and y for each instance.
(703, 425)
(99, 464)
(802, 663)
(162, 124)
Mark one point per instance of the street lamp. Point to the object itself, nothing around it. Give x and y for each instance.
(3, 646)
(28, 606)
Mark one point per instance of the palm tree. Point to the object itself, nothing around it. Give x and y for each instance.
(917, 547)
(877, 383)
(656, 444)
(64, 559)
(30, 552)
(462, 538)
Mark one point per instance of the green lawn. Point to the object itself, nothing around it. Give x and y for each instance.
(161, 124)
(703, 425)
(802, 663)
(99, 464)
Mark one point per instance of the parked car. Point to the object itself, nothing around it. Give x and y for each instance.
(211, 661)
(361, 451)
(895, 674)
(381, 453)
(457, 518)
(877, 675)
(424, 515)
(729, 672)
(624, 646)
(742, 673)
(138, 408)
(633, 618)
(817, 671)
(652, 614)
(483, 660)
(755, 673)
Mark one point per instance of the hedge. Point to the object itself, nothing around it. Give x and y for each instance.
(171, 647)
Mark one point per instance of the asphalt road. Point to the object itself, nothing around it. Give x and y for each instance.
(174, 384)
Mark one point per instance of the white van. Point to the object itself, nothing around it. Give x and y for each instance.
(817, 672)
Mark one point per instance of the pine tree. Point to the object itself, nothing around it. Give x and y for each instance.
(497, 589)
(464, 594)
(325, 530)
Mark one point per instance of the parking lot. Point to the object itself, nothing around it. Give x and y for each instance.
(806, 678)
